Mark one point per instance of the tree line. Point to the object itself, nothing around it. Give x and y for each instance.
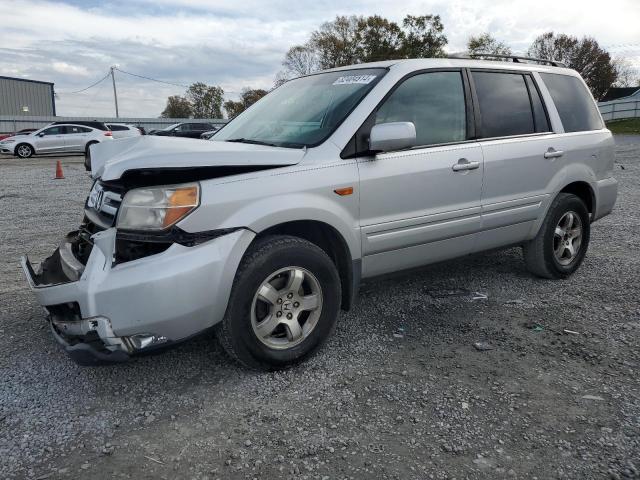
(349, 40)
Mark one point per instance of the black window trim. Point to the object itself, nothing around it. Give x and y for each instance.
(476, 103)
(350, 150)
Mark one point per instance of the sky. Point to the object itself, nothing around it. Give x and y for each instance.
(237, 44)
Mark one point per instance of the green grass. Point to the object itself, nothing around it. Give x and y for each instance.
(628, 126)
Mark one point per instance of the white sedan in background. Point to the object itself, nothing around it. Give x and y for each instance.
(122, 130)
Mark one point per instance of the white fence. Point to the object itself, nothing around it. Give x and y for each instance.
(10, 123)
(619, 109)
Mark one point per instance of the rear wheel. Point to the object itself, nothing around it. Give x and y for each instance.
(284, 303)
(24, 150)
(563, 239)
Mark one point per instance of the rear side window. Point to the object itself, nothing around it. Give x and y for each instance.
(434, 102)
(505, 107)
(573, 102)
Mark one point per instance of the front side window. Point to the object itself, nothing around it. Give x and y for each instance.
(304, 111)
(434, 102)
(54, 131)
(505, 107)
(573, 101)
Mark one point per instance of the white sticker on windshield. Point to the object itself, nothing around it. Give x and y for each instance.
(351, 79)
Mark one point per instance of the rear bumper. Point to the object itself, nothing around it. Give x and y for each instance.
(109, 312)
(606, 195)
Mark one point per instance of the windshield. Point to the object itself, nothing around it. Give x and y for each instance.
(171, 127)
(304, 111)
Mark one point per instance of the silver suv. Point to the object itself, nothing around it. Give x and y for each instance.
(266, 231)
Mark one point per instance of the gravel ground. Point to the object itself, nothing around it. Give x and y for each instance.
(399, 392)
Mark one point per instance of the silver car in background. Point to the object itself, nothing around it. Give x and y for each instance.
(54, 139)
(123, 130)
(265, 232)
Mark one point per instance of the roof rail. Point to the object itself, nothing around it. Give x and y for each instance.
(513, 58)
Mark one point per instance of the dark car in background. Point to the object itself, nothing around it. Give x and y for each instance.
(185, 129)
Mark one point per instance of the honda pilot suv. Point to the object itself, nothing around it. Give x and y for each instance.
(265, 232)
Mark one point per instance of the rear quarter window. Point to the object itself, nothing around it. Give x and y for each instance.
(573, 101)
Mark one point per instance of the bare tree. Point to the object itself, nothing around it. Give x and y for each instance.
(627, 76)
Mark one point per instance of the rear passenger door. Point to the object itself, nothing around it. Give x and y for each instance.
(520, 154)
(421, 205)
(76, 138)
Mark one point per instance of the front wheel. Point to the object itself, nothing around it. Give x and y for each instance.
(561, 244)
(24, 150)
(284, 303)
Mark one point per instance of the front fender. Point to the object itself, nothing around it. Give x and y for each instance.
(273, 198)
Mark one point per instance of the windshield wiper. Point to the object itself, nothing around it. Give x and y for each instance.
(253, 142)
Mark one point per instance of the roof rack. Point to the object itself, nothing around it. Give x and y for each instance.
(513, 58)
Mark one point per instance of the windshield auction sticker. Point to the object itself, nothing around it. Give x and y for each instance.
(351, 79)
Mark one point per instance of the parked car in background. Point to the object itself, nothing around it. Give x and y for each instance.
(54, 138)
(185, 129)
(92, 124)
(208, 134)
(266, 231)
(24, 131)
(122, 130)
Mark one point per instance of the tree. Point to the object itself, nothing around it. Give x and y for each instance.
(424, 37)
(248, 97)
(336, 42)
(627, 76)
(585, 56)
(301, 60)
(379, 39)
(485, 43)
(206, 100)
(352, 40)
(177, 107)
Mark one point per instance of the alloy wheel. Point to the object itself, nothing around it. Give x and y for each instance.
(567, 238)
(286, 308)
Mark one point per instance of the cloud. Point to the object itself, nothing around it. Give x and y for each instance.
(240, 44)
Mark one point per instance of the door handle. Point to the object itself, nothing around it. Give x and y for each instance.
(553, 153)
(464, 164)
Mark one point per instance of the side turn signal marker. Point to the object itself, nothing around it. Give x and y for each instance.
(344, 191)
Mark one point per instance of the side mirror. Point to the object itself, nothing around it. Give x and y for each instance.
(41, 134)
(386, 137)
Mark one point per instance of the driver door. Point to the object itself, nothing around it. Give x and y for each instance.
(51, 140)
(422, 205)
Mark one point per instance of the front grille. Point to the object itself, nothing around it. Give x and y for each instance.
(102, 205)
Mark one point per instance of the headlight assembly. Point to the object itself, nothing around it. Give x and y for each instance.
(157, 208)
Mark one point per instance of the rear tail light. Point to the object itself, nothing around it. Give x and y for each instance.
(108, 134)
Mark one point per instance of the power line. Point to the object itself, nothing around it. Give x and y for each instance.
(152, 79)
(87, 88)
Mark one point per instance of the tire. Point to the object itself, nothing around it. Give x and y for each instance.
(87, 156)
(24, 150)
(258, 332)
(561, 244)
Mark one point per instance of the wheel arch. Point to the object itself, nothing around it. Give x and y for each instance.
(584, 191)
(332, 243)
(15, 150)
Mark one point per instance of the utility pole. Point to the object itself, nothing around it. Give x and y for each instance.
(115, 93)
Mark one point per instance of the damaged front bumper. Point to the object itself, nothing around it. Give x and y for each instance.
(104, 311)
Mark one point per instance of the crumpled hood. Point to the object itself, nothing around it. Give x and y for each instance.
(110, 160)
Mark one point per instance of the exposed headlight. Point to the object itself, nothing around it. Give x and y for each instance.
(157, 208)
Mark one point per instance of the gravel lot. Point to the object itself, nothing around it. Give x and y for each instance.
(400, 392)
